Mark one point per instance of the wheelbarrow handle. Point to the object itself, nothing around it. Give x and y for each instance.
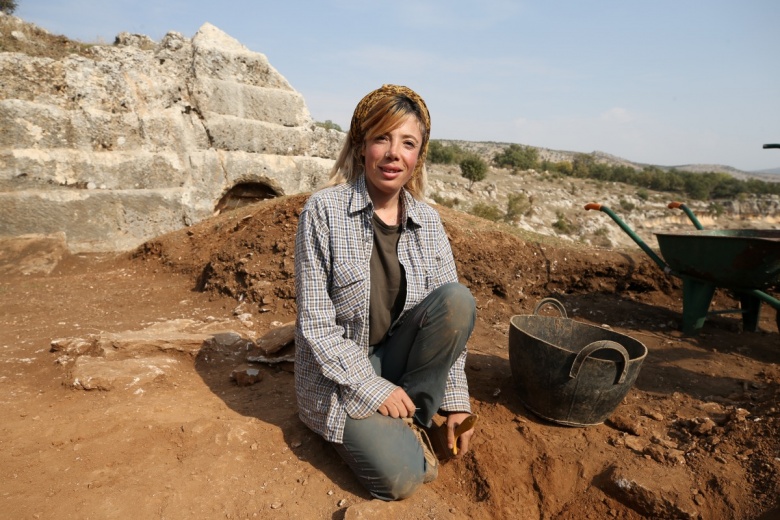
(687, 210)
(591, 348)
(552, 302)
(641, 243)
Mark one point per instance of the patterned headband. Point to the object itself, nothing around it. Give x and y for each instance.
(370, 100)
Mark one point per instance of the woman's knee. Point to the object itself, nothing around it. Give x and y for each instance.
(397, 487)
(384, 455)
(459, 300)
(390, 478)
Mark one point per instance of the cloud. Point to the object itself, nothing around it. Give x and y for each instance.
(617, 115)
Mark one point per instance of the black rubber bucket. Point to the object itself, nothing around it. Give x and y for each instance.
(568, 372)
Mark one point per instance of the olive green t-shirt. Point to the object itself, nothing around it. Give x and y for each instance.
(388, 283)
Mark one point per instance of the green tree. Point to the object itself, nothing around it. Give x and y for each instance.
(582, 165)
(696, 186)
(440, 153)
(8, 6)
(473, 168)
(517, 157)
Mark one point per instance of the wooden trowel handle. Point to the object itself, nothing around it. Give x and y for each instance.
(467, 424)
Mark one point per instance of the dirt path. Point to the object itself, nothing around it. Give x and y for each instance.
(695, 438)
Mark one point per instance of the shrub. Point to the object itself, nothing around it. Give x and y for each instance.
(563, 167)
(486, 211)
(642, 194)
(445, 201)
(327, 124)
(563, 225)
(518, 205)
(716, 209)
(627, 206)
(601, 237)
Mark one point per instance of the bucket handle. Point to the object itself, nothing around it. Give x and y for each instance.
(550, 301)
(583, 354)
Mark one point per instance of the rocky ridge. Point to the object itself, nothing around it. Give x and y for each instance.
(115, 144)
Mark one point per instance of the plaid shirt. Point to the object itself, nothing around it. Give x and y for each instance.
(333, 376)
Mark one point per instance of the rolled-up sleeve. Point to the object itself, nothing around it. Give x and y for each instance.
(456, 393)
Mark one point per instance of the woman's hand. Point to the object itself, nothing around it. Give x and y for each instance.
(453, 420)
(398, 404)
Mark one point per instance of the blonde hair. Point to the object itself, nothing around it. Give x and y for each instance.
(379, 112)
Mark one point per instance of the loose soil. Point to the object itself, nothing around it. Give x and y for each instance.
(696, 437)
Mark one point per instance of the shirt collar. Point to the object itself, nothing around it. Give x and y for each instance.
(411, 209)
(361, 202)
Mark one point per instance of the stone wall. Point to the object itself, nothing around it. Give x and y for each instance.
(125, 142)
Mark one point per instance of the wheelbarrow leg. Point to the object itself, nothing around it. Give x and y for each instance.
(751, 312)
(697, 296)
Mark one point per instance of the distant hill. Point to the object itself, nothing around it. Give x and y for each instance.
(718, 168)
(771, 175)
(487, 149)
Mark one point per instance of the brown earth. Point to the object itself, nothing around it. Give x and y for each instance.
(696, 437)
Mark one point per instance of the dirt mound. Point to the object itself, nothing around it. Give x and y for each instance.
(248, 255)
(695, 438)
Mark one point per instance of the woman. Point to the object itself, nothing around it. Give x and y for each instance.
(382, 322)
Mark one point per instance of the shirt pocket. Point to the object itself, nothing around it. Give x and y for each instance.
(419, 284)
(347, 290)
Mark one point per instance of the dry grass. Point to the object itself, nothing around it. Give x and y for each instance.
(18, 36)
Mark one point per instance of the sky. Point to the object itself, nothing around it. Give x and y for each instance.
(667, 82)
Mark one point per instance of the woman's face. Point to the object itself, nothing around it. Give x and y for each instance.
(390, 159)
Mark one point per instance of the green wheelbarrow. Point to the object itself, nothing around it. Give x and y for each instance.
(746, 262)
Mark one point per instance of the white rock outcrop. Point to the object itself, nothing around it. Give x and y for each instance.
(142, 138)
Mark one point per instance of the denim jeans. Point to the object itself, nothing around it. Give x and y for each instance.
(384, 452)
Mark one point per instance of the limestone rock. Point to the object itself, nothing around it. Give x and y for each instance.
(626, 424)
(125, 142)
(246, 375)
(91, 373)
(276, 339)
(648, 496)
(130, 359)
(285, 355)
(276, 346)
